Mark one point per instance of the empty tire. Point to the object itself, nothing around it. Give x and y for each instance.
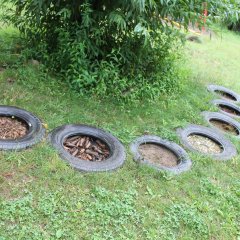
(228, 150)
(183, 161)
(35, 130)
(117, 152)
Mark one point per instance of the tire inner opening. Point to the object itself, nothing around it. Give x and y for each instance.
(224, 126)
(205, 144)
(158, 154)
(228, 109)
(87, 148)
(226, 95)
(12, 127)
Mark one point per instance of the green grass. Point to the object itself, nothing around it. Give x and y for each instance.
(43, 198)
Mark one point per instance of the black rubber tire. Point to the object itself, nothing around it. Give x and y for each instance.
(184, 161)
(222, 117)
(35, 133)
(214, 88)
(229, 150)
(218, 102)
(117, 151)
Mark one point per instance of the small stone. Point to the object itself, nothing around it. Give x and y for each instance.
(34, 62)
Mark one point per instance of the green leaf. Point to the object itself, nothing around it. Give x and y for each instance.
(59, 233)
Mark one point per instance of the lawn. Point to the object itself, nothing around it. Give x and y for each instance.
(41, 197)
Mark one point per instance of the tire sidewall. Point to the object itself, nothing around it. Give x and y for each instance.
(213, 88)
(117, 151)
(228, 104)
(184, 164)
(229, 150)
(222, 117)
(35, 132)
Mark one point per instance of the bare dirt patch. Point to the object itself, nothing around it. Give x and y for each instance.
(12, 128)
(10, 80)
(226, 95)
(204, 144)
(87, 148)
(226, 127)
(158, 155)
(228, 109)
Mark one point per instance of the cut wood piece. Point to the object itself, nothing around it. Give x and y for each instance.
(74, 142)
(74, 138)
(82, 140)
(75, 152)
(100, 144)
(69, 144)
(82, 150)
(89, 157)
(88, 144)
(91, 153)
(86, 148)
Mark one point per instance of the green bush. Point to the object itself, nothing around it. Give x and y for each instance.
(227, 12)
(118, 48)
(148, 75)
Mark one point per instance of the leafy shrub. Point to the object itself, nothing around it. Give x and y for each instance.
(227, 12)
(147, 76)
(119, 48)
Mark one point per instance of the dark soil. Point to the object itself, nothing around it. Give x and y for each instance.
(158, 154)
(229, 110)
(87, 148)
(226, 95)
(194, 39)
(10, 80)
(225, 126)
(12, 128)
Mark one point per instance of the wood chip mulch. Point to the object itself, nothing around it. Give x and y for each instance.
(204, 144)
(11, 128)
(87, 148)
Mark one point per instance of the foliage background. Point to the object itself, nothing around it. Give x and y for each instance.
(123, 49)
(43, 198)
